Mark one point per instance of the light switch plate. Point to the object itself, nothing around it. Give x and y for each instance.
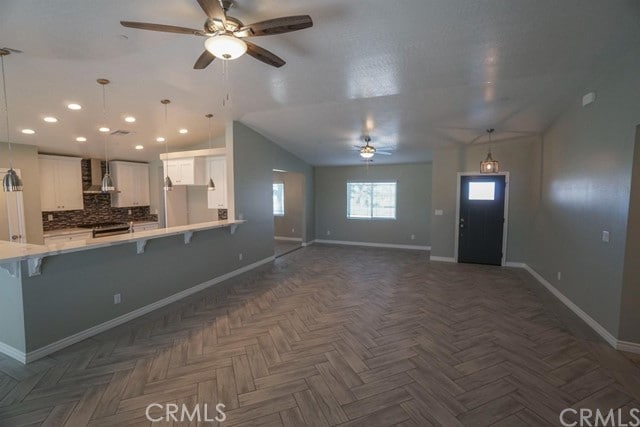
(439, 212)
(605, 236)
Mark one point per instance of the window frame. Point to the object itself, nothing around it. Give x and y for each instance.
(273, 208)
(372, 217)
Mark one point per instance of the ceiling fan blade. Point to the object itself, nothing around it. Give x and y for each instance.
(213, 9)
(384, 153)
(262, 54)
(203, 60)
(162, 28)
(282, 25)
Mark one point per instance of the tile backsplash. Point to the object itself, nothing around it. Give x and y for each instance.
(97, 208)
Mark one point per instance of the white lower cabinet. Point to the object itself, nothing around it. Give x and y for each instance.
(145, 227)
(61, 238)
(217, 170)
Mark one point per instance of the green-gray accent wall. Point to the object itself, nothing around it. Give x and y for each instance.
(412, 210)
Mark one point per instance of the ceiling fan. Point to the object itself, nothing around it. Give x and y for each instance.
(226, 34)
(367, 151)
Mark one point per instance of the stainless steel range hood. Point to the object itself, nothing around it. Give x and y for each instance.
(96, 179)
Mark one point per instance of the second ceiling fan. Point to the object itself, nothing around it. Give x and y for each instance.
(226, 34)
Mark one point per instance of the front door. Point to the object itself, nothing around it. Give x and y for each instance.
(480, 226)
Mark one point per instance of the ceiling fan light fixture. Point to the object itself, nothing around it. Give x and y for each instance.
(225, 46)
(367, 151)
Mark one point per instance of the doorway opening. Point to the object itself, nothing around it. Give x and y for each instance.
(288, 211)
(482, 218)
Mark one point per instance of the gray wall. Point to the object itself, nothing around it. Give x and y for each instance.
(255, 157)
(291, 223)
(585, 188)
(412, 210)
(11, 314)
(25, 158)
(516, 157)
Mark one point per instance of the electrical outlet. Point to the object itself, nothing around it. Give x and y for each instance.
(50, 217)
(117, 298)
(439, 212)
(328, 232)
(293, 230)
(129, 211)
(605, 236)
(413, 237)
(559, 275)
(240, 256)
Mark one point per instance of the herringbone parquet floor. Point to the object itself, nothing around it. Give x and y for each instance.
(334, 336)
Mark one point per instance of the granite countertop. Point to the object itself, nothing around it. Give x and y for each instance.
(10, 252)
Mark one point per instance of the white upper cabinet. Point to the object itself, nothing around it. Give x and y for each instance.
(60, 183)
(217, 170)
(187, 171)
(132, 180)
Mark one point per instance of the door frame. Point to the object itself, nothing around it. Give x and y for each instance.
(505, 225)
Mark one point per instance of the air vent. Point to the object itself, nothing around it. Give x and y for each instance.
(121, 132)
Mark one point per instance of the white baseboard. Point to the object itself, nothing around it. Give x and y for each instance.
(631, 347)
(13, 352)
(515, 264)
(309, 243)
(288, 239)
(442, 258)
(597, 327)
(65, 342)
(374, 245)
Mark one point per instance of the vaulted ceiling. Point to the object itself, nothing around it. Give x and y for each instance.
(414, 74)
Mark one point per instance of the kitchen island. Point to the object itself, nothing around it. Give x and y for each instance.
(55, 295)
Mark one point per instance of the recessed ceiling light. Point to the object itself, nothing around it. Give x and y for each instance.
(81, 139)
(74, 106)
(104, 129)
(28, 131)
(130, 119)
(50, 119)
(139, 147)
(160, 139)
(183, 131)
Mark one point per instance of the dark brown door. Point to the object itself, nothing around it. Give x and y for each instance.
(481, 219)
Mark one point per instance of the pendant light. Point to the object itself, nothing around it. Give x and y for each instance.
(168, 185)
(11, 181)
(107, 183)
(211, 186)
(488, 165)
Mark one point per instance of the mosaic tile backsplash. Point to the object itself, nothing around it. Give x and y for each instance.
(97, 208)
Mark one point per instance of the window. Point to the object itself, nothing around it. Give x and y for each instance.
(371, 200)
(482, 190)
(278, 199)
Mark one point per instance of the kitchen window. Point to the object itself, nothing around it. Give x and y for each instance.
(278, 199)
(371, 200)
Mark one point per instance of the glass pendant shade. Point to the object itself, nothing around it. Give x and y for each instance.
(489, 165)
(225, 46)
(367, 152)
(11, 182)
(107, 183)
(168, 185)
(211, 186)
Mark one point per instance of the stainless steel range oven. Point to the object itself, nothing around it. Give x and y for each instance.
(107, 228)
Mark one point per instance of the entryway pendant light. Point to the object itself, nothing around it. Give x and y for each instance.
(489, 165)
(11, 181)
(107, 183)
(168, 185)
(211, 186)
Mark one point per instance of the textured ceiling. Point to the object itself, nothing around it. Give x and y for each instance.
(415, 74)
